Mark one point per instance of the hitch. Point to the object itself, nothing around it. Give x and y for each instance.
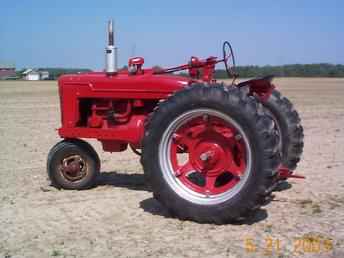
(284, 173)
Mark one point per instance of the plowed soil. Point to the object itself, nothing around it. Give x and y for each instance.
(119, 217)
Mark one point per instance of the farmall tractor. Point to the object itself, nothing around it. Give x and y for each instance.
(211, 152)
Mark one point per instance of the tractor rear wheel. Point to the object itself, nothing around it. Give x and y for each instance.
(209, 152)
(73, 164)
(288, 124)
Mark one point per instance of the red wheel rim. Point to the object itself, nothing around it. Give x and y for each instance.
(216, 155)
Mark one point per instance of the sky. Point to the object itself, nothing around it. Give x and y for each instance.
(71, 33)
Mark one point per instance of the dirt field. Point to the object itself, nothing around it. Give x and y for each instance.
(119, 218)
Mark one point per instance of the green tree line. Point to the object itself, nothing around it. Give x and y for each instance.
(293, 70)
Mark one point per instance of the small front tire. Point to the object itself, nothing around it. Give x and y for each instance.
(73, 164)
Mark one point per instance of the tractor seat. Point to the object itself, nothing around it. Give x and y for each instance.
(267, 78)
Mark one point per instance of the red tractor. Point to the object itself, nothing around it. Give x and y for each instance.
(211, 152)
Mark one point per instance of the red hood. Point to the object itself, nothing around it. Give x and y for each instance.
(147, 82)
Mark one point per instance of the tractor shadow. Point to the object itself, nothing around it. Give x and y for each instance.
(130, 181)
(283, 186)
(152, 206)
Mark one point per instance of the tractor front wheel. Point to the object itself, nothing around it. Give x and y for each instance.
(208, 153)
(73, 164)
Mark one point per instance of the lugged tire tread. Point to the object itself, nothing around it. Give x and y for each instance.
(293, 139)
(264, 127)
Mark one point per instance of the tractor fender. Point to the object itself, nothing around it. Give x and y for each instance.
(261, 87)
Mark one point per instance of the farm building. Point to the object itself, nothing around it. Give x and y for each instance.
(44, 75)
(35, 75)
(7, 71)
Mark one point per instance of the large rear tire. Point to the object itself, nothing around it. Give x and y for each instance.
(231, 147)
(289, 126)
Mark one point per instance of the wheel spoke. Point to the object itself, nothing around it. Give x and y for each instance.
(197, 130)
(204, 123)
(236, 164)
(210, 184)
(236, 170)
(182, 170)
(226, 133)
(182, 140)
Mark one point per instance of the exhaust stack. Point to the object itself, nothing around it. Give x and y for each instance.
(111, 51)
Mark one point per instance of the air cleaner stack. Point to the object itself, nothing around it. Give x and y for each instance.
(111, 51)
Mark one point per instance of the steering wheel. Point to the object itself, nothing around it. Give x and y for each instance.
(229, 55)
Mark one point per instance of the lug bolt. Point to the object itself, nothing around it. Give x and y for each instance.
(203, 157)
(176, 137)
(238, 137)
(206, 155)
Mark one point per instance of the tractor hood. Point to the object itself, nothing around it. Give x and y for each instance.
(146, 85)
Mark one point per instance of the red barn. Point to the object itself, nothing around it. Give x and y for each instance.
(7, 71)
